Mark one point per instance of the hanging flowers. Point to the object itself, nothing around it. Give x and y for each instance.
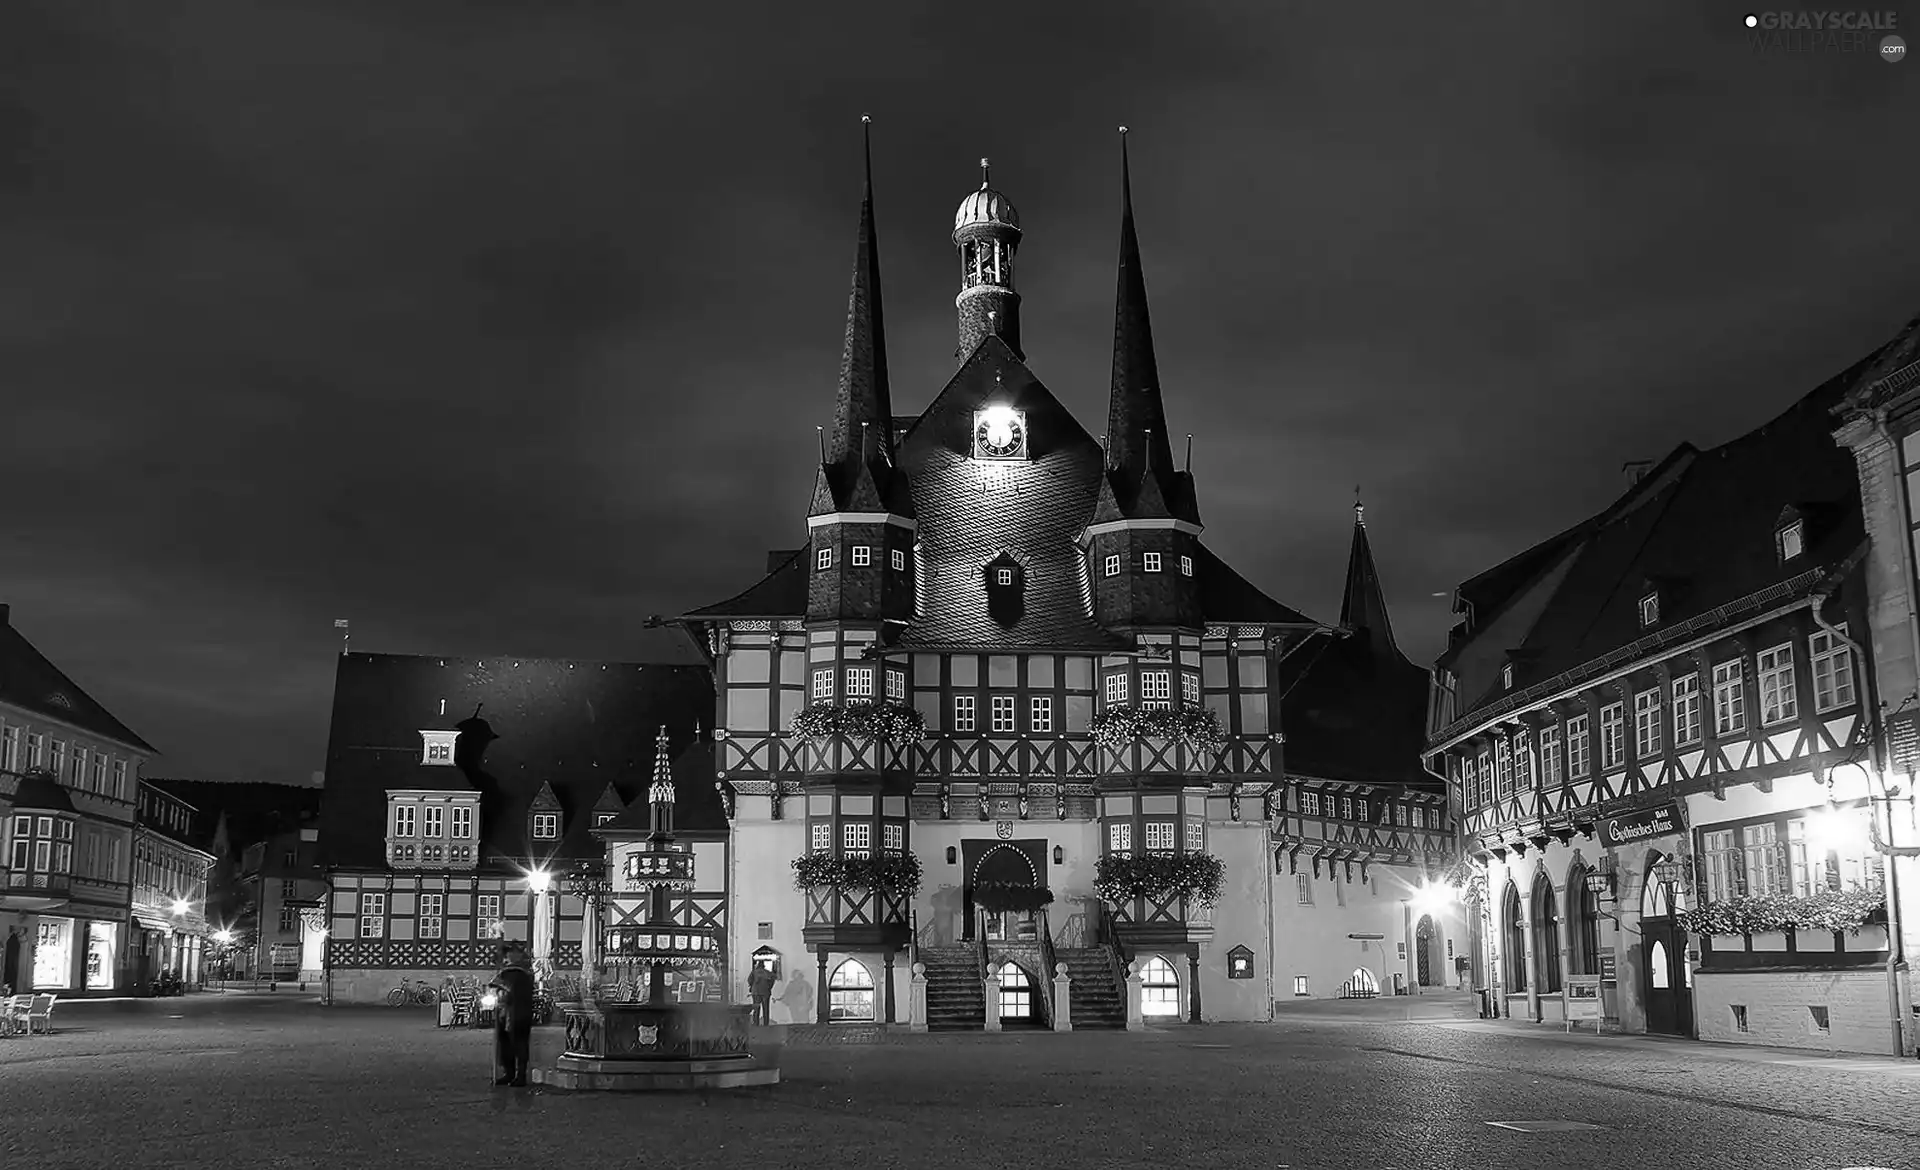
(1003, 896)
(888, 873)
(1198, 877)
(891, 723)
(1821, 913)
(1196, 728)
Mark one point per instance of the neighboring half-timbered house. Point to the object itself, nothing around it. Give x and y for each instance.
(1643, 721)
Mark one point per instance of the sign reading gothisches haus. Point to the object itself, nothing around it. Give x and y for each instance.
(1659, 821)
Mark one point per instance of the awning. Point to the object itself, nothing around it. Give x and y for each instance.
(30, 903)
(152, 922)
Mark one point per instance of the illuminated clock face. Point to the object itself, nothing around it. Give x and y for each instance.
(999, 433)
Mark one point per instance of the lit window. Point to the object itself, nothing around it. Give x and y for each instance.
(822, 837)
(1016, 993)
(1613, 735)
(963, 712)
(1718, 851)
(862, 555)
(1150, 562)
(1003, 576)
(546, 826)
(1159, 989)
(824, 558)
(896, 684)
(1791, 540)
(432, 907)
(1120, 837)
(1300, 985)
(1003, 712)
(1832, 671)
(859, 682)
(1646, 725)
(1686, 710)
(403, 820)
(1113, 566)
(1579, 759)
(823, 686)
(1190, 689)
(1310, 803)
(1186, 566)
(898, 559)
(1729, 699)
(1777, 699)
(850, 992)
(1156, 687)
(492, 924)
(1042, 714)
(1116, 688)
(856, 838)
(1159, 836)
(1650, 609)
(373, 915)
(462, 824)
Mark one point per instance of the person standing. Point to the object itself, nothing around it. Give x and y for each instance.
(760, 987)
(513, 1018)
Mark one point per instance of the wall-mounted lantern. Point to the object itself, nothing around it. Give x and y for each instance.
(1240, 963)
(1059, 855)
(952, 855)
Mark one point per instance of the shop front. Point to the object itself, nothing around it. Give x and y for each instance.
(1649, 861)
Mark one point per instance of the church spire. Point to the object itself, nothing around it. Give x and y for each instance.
(1137, 442)
(660, 793)
(1363, 607)
(864, 402)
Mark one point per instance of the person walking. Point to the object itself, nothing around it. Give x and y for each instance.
(513, 1018)
(760, 987)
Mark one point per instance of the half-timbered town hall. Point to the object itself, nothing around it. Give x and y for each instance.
(1002, 716)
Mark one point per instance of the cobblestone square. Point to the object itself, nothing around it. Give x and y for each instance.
(265, 1082)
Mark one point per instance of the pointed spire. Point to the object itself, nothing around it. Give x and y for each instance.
(660, 794)
(864, 398)
(1136, 417)
(1363, 606)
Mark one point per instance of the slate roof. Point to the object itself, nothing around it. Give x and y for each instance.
(1353, 707)
(1704, 538)
(30, 681)
(577, 726)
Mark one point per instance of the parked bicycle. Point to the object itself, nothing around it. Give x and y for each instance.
(419, 992)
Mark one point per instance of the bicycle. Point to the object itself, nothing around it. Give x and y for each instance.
(419, 993)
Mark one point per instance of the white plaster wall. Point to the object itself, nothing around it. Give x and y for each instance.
(763, 892)
(1799, 791)
(1239, 919)
(1315, 940)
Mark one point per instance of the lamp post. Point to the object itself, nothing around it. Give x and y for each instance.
(539, 882)
(1852, 775)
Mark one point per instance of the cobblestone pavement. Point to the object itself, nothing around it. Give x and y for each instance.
(266, 1082)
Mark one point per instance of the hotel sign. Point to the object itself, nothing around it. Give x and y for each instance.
(1659, 821)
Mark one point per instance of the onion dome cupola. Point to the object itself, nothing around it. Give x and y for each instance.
(1143, 537)
(861, 520)
(986, 230)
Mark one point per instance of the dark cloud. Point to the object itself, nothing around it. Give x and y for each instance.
(499, 326)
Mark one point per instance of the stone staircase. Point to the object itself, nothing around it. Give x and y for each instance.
(1096, 998)
(955, 1000)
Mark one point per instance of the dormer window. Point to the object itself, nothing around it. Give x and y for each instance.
(1649, 610)
(1150, 562)
(1005, 587)
(436, 747)
(602, 819)
(1790, 539)
(862, 556)
(546, 826)
(403, 820)
(1506, 676)
(1003, 576)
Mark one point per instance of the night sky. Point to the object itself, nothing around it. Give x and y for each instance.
(496, 327)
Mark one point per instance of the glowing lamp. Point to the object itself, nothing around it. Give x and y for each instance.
(1432, 899)
(538, 880)
(999, 424)
(181, 906)
(489, 1001)
(1832, 831)
(223, 937)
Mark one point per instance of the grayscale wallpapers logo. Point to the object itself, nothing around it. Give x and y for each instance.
(1827, 32)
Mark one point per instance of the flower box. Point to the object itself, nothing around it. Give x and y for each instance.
(1769, 940)
(1867, 939)
(889, 873)
(1197, 729)
(1808, 942)
(1197, 877)
(892, 723)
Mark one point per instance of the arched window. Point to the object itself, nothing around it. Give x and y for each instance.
(1583, 914)
(1515, 935)
(1016, 993)
(1546, 933)
(850, 992)
(1656, 898)
(1360, 985)
(1159, 989)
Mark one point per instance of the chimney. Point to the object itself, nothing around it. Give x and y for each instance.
(1636, 470)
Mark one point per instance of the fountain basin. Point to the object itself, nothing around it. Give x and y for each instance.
(640, 1047)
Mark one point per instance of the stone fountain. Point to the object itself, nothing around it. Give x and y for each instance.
(634, 1039)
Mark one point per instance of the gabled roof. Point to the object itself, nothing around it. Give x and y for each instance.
(1227, 597)
(30, 681)
(577, 726)
(1035, 513)
(1704, 536)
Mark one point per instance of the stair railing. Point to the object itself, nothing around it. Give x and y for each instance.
(1048, 961)
(1110, 945)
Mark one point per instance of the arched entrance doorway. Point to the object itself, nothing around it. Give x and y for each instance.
(1666, 982)
(850, 992)
(1159, 990)
(997, 892)
(1424, 940)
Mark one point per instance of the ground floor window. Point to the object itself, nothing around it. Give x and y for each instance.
(850, 992)
(53, 955)
(1159, 989)
(103, 947)
(1016, 993)
(1360, 985)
